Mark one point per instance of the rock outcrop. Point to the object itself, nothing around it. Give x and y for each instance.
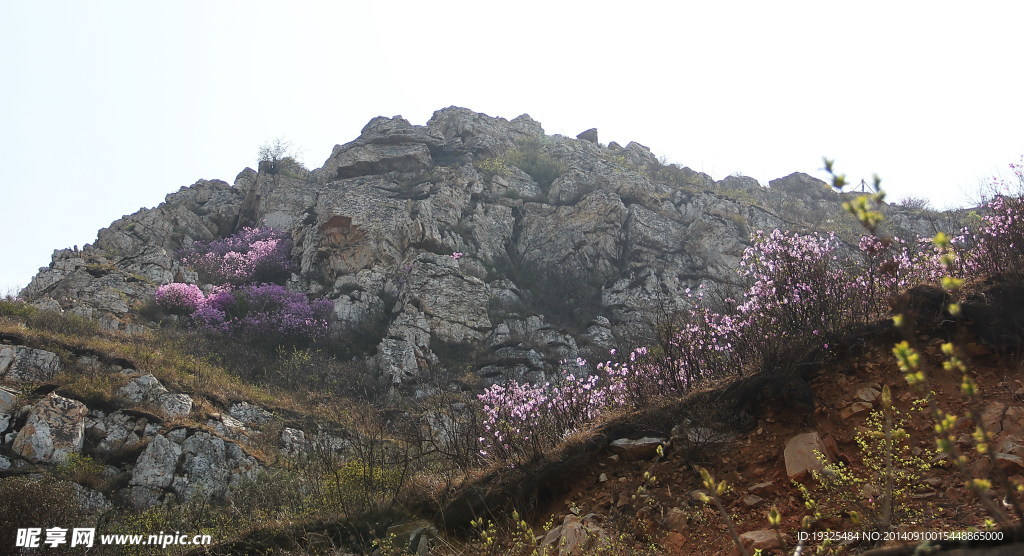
(586, 239)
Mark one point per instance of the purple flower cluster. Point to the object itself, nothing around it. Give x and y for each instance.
(246, 302)
(264, 311)
(522, 420)
(999, 245)
(180, 299)
(253, 255)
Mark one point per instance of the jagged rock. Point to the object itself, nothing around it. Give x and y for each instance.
(55, 428)
(147, 390)
(589, 135)
(227, 426)
(752, 500)
(594, 246)
(90, 500)
(20, 363)
(642, 448)
(676, 520)
(294, 441)
(992, 417)
(187, 464)
(111, 434)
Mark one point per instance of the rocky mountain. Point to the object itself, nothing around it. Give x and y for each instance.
(468, 252)
(471, 231)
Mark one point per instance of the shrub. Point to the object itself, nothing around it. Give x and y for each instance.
(265, 312)
(532, 158)
(180, 299)
(32, 502)
(249, 256)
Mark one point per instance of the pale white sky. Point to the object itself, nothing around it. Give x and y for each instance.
(106, 107)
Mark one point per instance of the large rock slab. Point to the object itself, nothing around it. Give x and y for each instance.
(147, 390)
(55, 428)
(25, 364)
(801, 455)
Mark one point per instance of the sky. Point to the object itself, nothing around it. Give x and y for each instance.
(108, 106)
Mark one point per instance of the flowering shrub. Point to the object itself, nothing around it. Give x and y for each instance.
(522, 420)
(246, 302)
(249, 256)
(264, 311)
(180, 299)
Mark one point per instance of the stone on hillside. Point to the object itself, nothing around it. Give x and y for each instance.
(414, 537)
(676, 520)
(250, 414)
(642, 448)
(854, 409)
(55, 428)
(992, 417)
(227, 426)
(147, 390)
(574, 536)
(588, 135)
(801, 455)
(8, 402)
(762, 539)
(20, 363)
(188, 464)
(868, 394)
(1009, 463)
(1012, 427)
(764, 488)
(294, 441)
(91, 500)
(111, 434)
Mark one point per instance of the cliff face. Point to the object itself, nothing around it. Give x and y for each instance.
(568, 247)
